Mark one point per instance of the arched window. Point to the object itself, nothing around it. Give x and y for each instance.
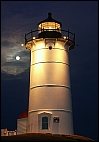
(45, 122)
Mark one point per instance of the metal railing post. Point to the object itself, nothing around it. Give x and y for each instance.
(68, 34)
(31, 34)
(25, 39)
(74, 39)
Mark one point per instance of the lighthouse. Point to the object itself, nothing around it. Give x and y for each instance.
(50, 105)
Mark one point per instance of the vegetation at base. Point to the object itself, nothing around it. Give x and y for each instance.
(34, 137)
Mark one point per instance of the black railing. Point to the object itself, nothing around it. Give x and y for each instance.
(69, 35)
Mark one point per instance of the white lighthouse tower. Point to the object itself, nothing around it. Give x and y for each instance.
(50, 107)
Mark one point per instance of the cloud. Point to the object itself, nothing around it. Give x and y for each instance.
(9, 51)
(7, 44)
(13, 29)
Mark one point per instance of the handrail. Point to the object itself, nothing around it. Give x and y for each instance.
(29, 36)
(50, 29)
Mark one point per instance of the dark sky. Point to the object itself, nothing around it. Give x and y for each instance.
(18, 18)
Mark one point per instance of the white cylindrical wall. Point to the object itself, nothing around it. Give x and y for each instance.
(50, 87)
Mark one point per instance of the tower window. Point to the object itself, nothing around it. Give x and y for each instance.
(50, 47)
(45, 122)
(56, 119)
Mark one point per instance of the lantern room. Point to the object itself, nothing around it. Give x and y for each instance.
(49, 28)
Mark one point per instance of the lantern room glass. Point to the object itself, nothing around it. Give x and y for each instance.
(49, 26)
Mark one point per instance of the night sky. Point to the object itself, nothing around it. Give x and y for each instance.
(18, 18)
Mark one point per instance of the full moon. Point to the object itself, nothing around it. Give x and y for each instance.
(17, 57)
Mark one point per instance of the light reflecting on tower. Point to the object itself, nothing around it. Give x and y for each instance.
(50, 107)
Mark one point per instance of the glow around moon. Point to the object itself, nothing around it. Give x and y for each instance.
(17, 57)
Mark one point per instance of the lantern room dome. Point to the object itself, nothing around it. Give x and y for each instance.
(50, 19)
(49, 27)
